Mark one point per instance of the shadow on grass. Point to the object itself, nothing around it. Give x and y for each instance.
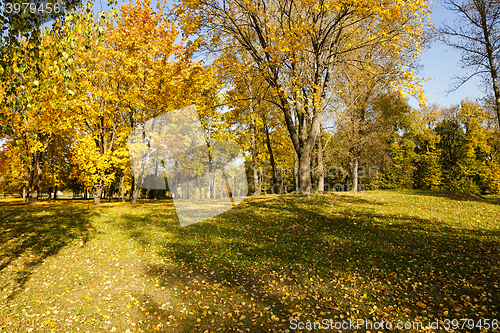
(287, 256)
(451, 195)
(31, 233)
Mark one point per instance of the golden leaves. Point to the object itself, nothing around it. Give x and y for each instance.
(421, 305)
(136, 72)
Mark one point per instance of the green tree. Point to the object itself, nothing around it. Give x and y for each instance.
(464, 144)
(398, 172)
(427, 173)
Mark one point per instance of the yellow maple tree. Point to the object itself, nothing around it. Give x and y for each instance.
(297, 47)
(134, 71)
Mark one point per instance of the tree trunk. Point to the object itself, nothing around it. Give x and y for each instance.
(305, 171)
(355, 175)
(313, 175)
(24, 193)
(271, 156)
(122, 181)
(155, 191)
(303, 141)
(55, 192)
(496, 89)
(282, 183)
(491, 59)
(110, 192)
(135, 195)
(258, 180)
(34, 179)
(97, 192)
(134, 191)
(257, 185)
(50, 193)
(321, 167)
(296, 172)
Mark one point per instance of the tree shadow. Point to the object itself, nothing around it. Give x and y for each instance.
(31, 233)
(292, 258)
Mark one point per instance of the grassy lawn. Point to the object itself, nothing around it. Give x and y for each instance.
(381, 255)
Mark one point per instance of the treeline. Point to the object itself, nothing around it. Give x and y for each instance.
(312, 91)
(72, 97)
(391, 146)
(452, 149)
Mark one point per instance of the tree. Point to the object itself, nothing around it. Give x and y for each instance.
(428, 173)
(21, 47)
(366, 110)
(259, 126)
(393, 147)
(464, 142)
(296, 45)
(477, 36)
(398, 172)
(37, 113)
(99, 134)
(134, 71)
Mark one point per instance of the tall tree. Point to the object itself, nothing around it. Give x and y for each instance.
(427, 166)
(476, 34)
(297, 44)
(96, 108)
(133, 71)
(364, 105)
(464, 140)
(38, 112)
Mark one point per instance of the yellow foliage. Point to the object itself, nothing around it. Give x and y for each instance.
(135, 72)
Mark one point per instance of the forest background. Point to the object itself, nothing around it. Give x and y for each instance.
(314, 92)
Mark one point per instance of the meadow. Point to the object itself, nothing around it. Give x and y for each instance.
(393, 255)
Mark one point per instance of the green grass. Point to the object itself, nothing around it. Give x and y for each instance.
(382, 255)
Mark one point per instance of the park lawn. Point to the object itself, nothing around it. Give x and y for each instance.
(397, 255)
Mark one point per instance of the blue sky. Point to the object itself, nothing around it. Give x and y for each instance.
(441, 63)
